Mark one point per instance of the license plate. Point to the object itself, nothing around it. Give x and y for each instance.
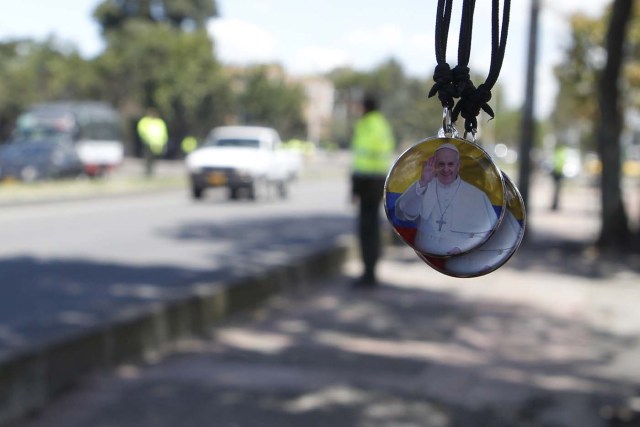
(217, 178)
(9, 180)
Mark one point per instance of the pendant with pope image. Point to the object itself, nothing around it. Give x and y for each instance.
(497, 250)
(444, 196)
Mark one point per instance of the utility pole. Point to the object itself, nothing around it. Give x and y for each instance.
(527, 129)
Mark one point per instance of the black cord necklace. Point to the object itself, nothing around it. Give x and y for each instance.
(456, 83)
(474, 241)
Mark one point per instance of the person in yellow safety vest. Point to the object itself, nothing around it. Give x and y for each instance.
(189, 143)
(154, 136)
(373, 148)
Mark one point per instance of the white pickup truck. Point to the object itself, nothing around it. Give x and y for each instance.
(245, 159)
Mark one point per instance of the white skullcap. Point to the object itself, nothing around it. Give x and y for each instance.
(448, 145)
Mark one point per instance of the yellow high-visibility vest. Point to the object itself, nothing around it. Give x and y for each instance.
(189, 143)
(153, 132)
(559, 159)
(373, 145)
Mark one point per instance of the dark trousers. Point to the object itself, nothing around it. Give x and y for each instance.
(557, 185)
(369, 191)
(149, 161)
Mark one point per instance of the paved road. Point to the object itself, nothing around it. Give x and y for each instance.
(66, 266)
(551, 339)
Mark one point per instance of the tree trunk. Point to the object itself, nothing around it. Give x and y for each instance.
(527, 126)
(614, 234)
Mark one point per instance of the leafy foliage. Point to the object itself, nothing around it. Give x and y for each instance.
(31, 72)
(264, 96)
(578, 74)
(404, 101)
(600, 80)
(158, 55)
(154, 65)
(184, 14)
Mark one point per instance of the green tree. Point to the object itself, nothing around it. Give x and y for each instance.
(349, 89)
(576, 105)
(579, 72)
(190, 13)
(412, 115)
(160, 56)
(600, 80)
(183, 14)
(156, 65)
(403, 101)
(264, 96)
(32, 72)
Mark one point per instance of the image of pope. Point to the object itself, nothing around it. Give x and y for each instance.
(452, 216)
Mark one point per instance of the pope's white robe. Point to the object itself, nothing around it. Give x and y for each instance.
(469, 217)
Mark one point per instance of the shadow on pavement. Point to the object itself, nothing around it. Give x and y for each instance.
(543, 249)
(398, 355)
(43, 299)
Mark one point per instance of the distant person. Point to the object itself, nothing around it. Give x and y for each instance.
(188, 144)
(557, 174)
(373, 147)
(154, 136)
(452, 215)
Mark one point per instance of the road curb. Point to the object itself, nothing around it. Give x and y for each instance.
(84, 196)
(30, 379)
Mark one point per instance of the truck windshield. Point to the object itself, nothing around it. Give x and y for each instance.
(91, 125)
(41, 133)
(233, 142)
(32, 126)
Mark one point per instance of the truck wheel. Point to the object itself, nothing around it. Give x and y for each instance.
(234, 193)
(283, 190)
(197, 192)
(259, 190)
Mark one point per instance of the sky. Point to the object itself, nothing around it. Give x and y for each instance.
(358, 33)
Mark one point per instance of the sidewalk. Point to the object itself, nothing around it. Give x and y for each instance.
(127, 179)
(47, 357)
(550, 339)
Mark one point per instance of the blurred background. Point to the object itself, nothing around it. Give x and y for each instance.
(566, 130)
(206, 63)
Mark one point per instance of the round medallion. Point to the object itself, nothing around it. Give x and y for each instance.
(444, 197)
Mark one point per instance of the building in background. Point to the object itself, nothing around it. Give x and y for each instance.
(318, 111)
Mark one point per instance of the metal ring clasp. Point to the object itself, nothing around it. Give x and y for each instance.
(473, 135)
(448, 129)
